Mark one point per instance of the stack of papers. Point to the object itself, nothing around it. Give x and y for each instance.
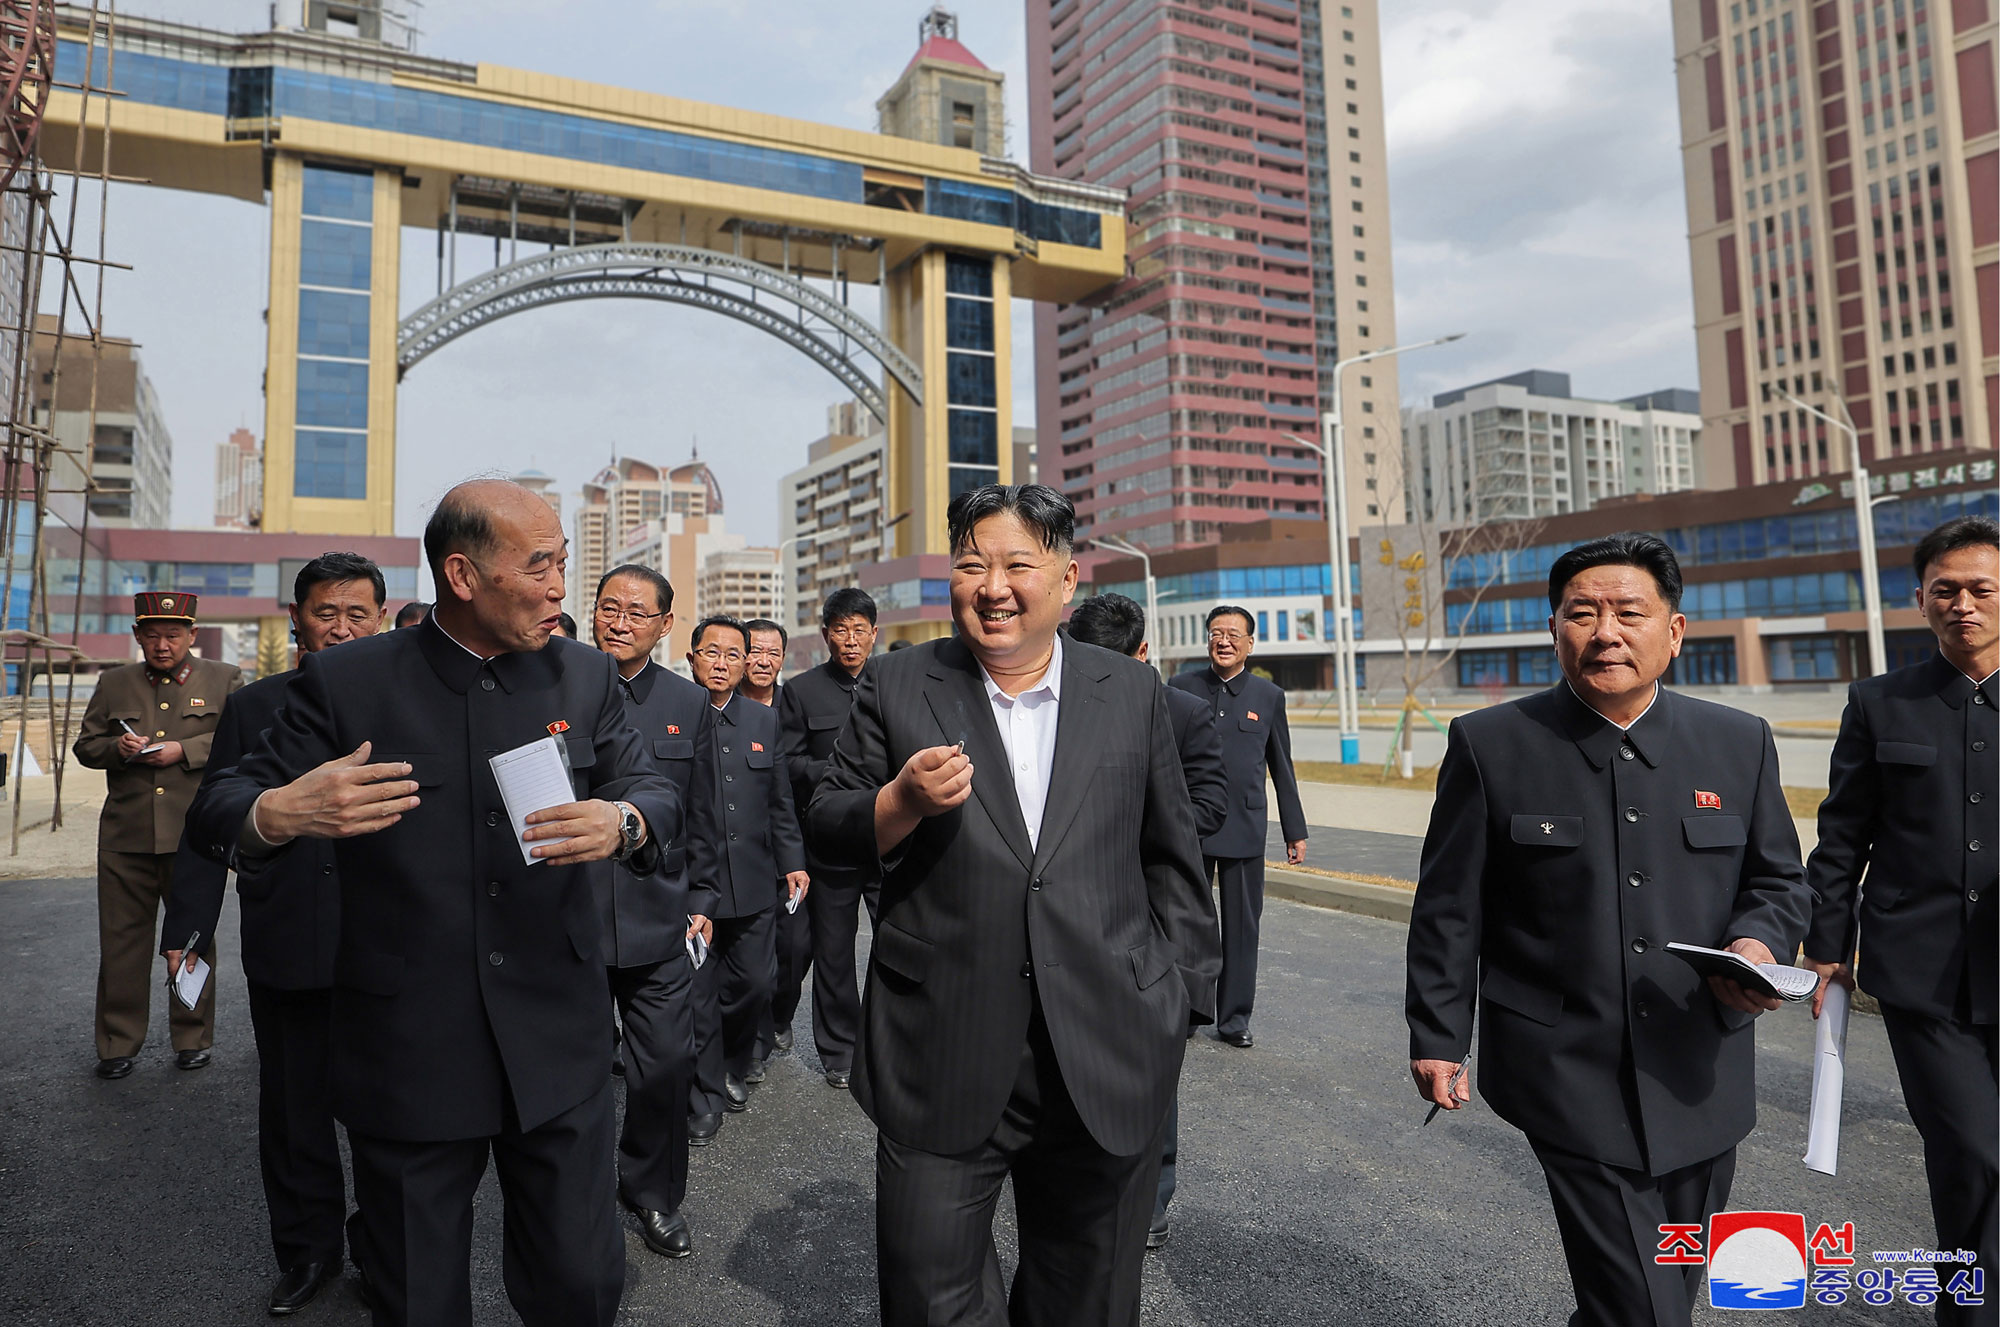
(1773, 979)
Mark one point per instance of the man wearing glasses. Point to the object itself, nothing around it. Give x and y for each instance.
(814, 710)
(744, 848)
(1250, 712)
(647, 921)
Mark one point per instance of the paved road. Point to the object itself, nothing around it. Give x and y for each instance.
(1361, 851)
(1309, 1195)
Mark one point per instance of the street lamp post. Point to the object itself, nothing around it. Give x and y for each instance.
(1332, 451)
(1118, 545)
(1864, 536)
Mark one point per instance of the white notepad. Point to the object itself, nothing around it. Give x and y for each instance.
(532, 778)
(188, 983)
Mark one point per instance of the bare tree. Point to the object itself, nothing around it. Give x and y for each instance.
(1408, 562)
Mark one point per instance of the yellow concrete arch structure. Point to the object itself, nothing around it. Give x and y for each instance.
(359, 147)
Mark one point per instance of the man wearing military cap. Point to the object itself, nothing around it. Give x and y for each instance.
(149, 726)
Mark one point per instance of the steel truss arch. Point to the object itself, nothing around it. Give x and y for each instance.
(824, 329)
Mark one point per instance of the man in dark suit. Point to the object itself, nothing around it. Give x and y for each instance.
(646, 921)
(793, 939)
(1250, 716)
(291, 925)
(1115, 622)
(1576, 833)
(468, 1003)
(1912, 801)
(1045, 936)
(813, 711)
(744, 849)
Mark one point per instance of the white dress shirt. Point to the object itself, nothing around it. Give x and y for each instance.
(1027, 725)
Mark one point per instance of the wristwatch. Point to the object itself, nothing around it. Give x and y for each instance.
(631, 831)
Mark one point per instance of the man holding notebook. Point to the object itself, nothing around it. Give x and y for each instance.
(469, 1008)
(1577, 833)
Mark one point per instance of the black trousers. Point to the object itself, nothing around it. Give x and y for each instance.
(1082, 1215)
(1948, 1069)
(835, 904)
(563, 1255)
(793, 944)
(1170, 1155)
(298, 1150)
(1241, 882)
(656, 1004)
(731, 991)
(1610, 1220)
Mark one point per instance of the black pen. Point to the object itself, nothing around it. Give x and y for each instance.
(1458, 1076)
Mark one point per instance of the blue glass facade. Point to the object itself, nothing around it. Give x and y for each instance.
(336, 243)
(971, 415)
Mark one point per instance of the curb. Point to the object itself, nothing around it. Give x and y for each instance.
(1326, 891)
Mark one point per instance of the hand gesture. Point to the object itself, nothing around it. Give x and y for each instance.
(934, 780)
(589, 831)
(169, 754)
(130, 745)
(1434, 1083)
(1732, 995)
(1828, 972)
(795, 885)
(1295, 852)
(703, 927)
(342, 799)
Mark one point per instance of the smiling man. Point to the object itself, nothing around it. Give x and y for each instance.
(1913, 803)
(1576, 833)
(1044, 936)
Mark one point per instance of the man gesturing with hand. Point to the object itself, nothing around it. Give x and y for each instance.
(469, 1007)
(1045, 935)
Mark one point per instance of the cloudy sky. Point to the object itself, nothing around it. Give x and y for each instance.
(1535, 190)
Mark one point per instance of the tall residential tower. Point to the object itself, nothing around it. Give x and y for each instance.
(1842, 160)
(1250, 137)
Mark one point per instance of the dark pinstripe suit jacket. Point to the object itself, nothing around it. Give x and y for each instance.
(1108, 918)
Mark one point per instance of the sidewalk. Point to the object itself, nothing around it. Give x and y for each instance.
(67, 853)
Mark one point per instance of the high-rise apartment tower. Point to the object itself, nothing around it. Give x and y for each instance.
(1249, 133)
(1842, 160)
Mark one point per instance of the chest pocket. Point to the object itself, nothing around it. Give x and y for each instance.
(759, 759)
(825, 723)
(1250, 725)
(673, 748)
(192, 713)
(1714, 831)
(1908, 754)
(1547, 831)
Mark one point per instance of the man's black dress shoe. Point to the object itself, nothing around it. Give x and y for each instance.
(1156, 1234)
(736, 1097)
(782, 1042)
(837, 1078)
(1242, 1041)
(756, 1073)
(115, 1067)
(299, 1286)
(703, 1128)
(665, 1233)
(191, 1059)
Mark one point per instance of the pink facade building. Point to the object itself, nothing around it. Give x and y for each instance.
(1249, 135)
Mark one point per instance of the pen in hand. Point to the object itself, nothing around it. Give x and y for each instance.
(1458, 1076)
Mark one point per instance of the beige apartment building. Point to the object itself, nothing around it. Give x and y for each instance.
(1842, 162)
(130, 455)
(740, 583)
(617, 502)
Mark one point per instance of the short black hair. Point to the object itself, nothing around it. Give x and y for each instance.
(459, 525)
(720, 620)
(568, 626)
(412, 613)
(1627, 548)
(663, 589)
(1964, 532)
(1112, 621)
(766, 624)
(1048, 513)
(898, 644)
(1224, 610)
(331, 568)
(847, 601)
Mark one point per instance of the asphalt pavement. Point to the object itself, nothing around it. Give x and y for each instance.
(1309, 1192)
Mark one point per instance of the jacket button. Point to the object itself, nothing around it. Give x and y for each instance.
(1976, 798)
(492, 817)
(1028, 968)
(485, 684)
(1625, 753)
(1632, 814)
(493, 889)
(163, 704)
(725, 751)
(1979, 746)
(1979, 697)
(1635, 880)
(1972, 846)
(732, 806)
(326, 870)
(496, 958)
(1036, 883)
(1645, 1010)
(161, 733)
(161, 790)
(729, 778)
(1972, 896)
(1639, 945)
(732, 838)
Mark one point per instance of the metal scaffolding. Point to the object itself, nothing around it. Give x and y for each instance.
(47, 481)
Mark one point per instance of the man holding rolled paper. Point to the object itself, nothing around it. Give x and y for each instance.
(1577, 833)
(1912, 802)
(469, 998)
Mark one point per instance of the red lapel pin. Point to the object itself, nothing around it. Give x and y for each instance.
(1707, 801)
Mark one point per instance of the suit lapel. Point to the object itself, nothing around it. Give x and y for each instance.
(1074, 764)
(956, 694)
